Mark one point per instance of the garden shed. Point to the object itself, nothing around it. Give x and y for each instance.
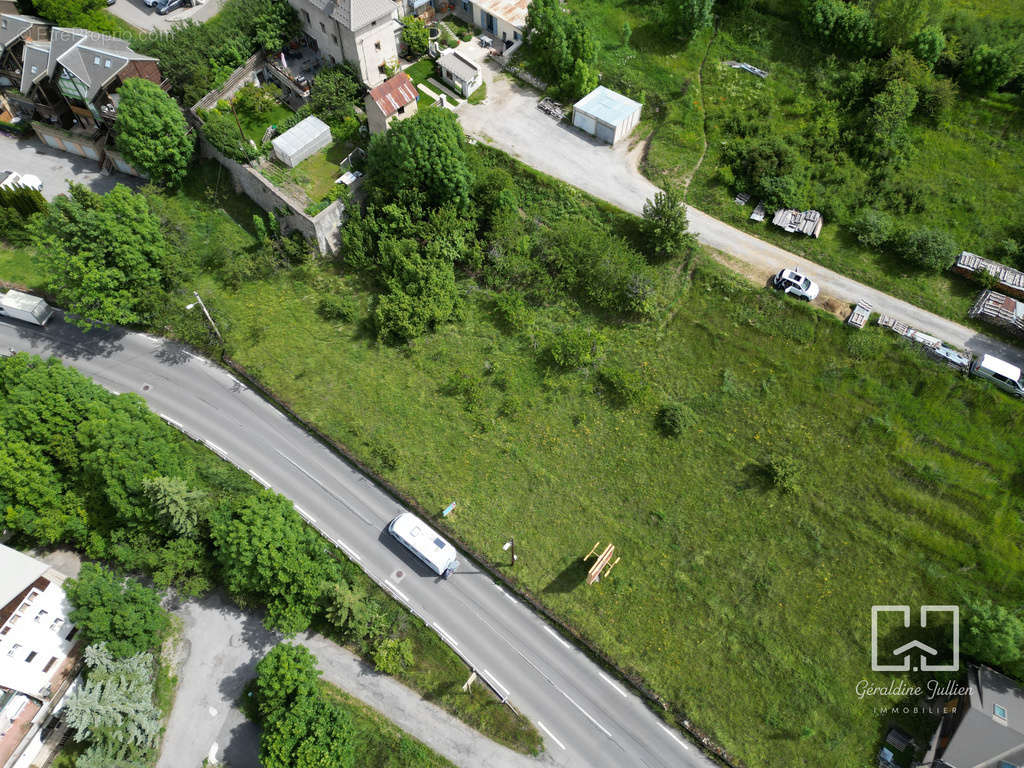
(606, 114)
(305, 139)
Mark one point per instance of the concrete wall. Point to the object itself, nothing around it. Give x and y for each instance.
(244, 74)
(322, 228)
(117, 162)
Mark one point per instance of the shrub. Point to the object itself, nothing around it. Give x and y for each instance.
(467, 386)
(874, 229)
(392, 656)
(576, 347)
(337, 307)
(622, 386)
(415, 35)
(664, 226)
(784, 473)
(993, 634)
(512, 309)
(932, 249)
(673, 418)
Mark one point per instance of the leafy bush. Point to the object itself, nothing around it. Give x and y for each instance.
(874, 229)
(673, 418)
(994, 635)
(221, 130)
(333, 96)
(415, 35)
(337, 307)
(784, 472)
(622, 386)
(847, 28)
(987, 68)
(253, 99)
(466, 385)
(576, 347)
(511, 307)
(930, 248)
(391, 655)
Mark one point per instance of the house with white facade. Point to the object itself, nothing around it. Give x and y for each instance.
(37, 658)
(502, 20)
(363, 32)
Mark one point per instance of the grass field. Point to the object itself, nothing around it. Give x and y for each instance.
(255, 125)
(747, 607)
(965, 174)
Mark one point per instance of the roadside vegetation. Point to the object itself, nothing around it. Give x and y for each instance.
(305, 721)
(912, 116)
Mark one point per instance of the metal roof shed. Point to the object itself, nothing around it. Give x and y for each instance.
(305, 139)
(606, 114)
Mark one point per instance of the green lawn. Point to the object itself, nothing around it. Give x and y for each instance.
(254, 126)
(422, 70)
(746, 607)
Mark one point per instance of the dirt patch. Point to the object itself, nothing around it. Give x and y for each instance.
(833, 306)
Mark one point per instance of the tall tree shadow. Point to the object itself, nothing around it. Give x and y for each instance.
(571, 577)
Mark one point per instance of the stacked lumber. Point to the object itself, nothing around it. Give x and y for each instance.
(805, 222)
(972, 265)
(1000, 310)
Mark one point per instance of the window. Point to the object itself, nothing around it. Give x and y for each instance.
(5, 630)
(96, 60)
(35, 69)
(322, 27)
(32, 597)
(517, 36)
(373, 23)
(31, 656)
(72, 633)
(14, 619)
(999, 711)
(335, 39)
(401, 110)
(50, 663)
(14, 649)
(106, 63)
(377, 45)
(39, 616)
(3, 23)
(467, 6)
(382, 70)
(56, 624)
(306, 15)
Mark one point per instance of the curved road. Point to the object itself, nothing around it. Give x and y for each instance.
(586, 718)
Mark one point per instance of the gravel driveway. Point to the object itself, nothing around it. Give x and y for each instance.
(56, 169)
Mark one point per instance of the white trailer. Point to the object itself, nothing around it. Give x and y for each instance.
(25, 307)
(424, 542)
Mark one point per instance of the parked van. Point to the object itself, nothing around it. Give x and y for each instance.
(1000, 373)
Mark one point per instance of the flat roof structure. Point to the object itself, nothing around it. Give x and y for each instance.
(17, 571)
(607, 106)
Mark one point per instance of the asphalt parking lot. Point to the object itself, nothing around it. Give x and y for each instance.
(140, 16)
(56, 169)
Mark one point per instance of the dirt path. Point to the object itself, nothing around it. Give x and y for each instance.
(703, 111)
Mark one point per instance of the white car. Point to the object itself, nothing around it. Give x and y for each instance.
(795, 284)
(11, 179)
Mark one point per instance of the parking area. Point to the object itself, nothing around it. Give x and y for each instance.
(56, 169)
(511, 120)
(143, 17)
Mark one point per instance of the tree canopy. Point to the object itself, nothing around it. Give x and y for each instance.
(423, 156)
(333, 95)
(151, 131)
(106, 255)
(415, 35)
(665, 228)
(120, 612)
(563, 48)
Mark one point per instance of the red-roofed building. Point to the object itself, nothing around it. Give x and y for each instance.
(394, 99)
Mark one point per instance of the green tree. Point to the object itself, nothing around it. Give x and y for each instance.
(333, 95)
(887, 138)
(285, 675)
(267, 552)
(420, 289)
(688, 17)
(424, 156)
(415, 35)
(173, 501)
(114, 711)
(105, 255)
(664, 227)
(120, 612)
(988, 68)
(900, 21)
(151, 131)
(993, 634)
(67, 13)
(928, 44)
(583, 79)
(933, 249)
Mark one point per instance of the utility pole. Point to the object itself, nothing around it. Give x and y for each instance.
(206, 312)
(511, 544)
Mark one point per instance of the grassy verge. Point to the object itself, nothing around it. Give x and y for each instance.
(255, 126)
(381, 742)
(744, 604)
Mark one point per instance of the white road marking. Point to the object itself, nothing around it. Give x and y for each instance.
(170, 421)
(671, 733)
(589, 716)
(304, 513)
(213, 711)
(216, 449)
(549, 733)
(557, 637)
(395, 589)
(613, 684)
(348, 550)
(445, 635)
(496, 681)
(258, 479)
(213, 754)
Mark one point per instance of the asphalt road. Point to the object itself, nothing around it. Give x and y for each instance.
(510, 121)
(586, 718)
(141, 16)
(56, 169)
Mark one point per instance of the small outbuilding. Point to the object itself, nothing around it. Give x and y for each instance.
(460, 73)
(606, 114)
(394, 99)
(304, 140)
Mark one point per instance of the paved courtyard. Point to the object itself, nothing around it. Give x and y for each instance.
(140, 16)
(56, 169)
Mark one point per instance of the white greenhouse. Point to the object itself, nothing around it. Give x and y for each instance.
(304, 140)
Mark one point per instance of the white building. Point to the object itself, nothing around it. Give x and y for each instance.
(36, 641)
(301, 141)
(360, 31)
(606, 114)
(459, 72)
(502, 20)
